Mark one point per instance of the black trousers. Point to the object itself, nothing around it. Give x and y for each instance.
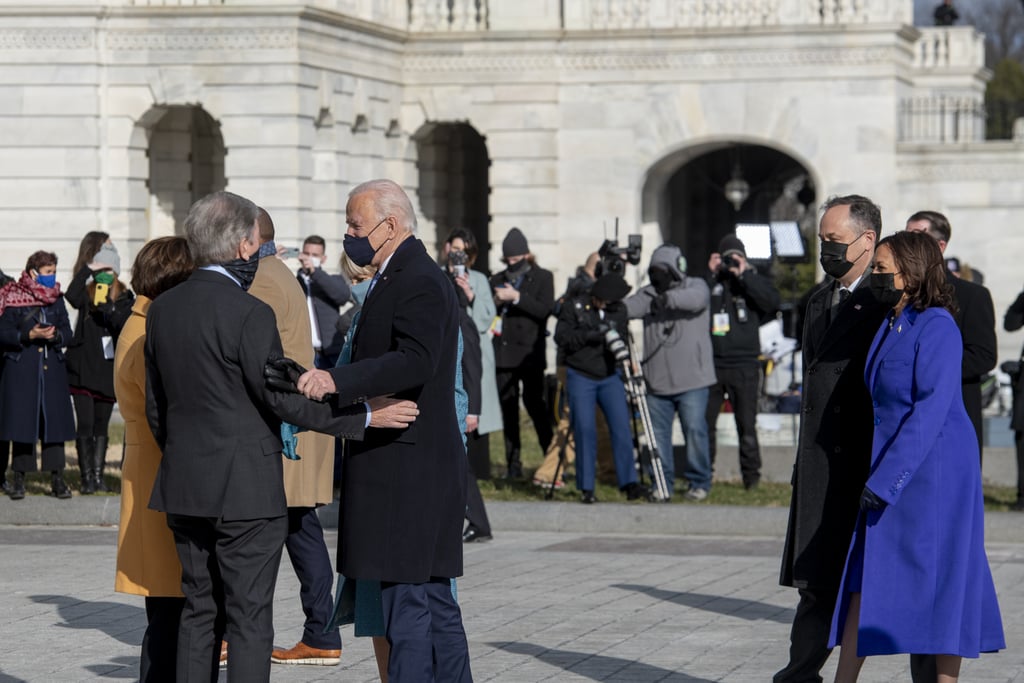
(311, 561)
(228, 569)
(742, 386)
(532, 379)
(24, 456)
(92, 416)
(476, 513)
(808, 639)
(160, 642)
(478, 447)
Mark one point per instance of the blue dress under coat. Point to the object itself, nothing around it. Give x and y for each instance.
(926, 586)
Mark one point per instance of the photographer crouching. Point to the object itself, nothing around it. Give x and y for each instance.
(585, 326)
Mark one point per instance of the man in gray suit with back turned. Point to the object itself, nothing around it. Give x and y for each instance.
(220, 479)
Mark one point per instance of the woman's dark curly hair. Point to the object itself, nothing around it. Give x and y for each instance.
(917, 258)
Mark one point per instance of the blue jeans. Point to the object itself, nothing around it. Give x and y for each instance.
(585, 395)
(691, 407)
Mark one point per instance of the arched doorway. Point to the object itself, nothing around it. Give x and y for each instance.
(186, 162)
(699, 194)
(454, 185)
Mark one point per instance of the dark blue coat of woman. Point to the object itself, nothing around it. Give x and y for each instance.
(926, 586)
(34, 383)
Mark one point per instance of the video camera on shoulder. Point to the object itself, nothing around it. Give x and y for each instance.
(614, 258)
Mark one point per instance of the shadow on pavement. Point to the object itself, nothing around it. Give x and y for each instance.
(732, 607)
(4, 678)
(118, 667)
(121, 622)
(598, 667)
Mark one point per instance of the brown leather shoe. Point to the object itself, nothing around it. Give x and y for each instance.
(223, 653)
(304, 654)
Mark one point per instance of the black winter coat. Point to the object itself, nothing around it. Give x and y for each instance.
(757, 298)
(836, 428)
(524, 325)
(580, 335)
(34, 379)
(1013, 321)
(87, 367)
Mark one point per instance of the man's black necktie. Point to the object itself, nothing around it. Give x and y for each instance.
(844, 294)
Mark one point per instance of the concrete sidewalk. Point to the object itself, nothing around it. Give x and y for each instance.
(537, 606)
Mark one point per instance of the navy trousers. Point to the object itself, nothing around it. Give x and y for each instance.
(423, 624)
(311, 561)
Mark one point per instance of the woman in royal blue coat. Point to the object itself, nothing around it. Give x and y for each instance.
(917, 579)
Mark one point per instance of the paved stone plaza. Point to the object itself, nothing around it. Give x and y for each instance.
(538, 606)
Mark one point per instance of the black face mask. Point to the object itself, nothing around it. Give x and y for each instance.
(883, 287)
(243, 270)
(661, 279)
(833, 258)
(518, 267)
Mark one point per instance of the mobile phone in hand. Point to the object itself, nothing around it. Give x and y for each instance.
(292, 252)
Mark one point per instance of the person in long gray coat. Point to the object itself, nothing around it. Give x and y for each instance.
(677, 362)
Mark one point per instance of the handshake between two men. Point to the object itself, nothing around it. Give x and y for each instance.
(284, 374)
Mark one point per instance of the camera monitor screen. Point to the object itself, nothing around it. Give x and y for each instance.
(789, 243)
(757, 240)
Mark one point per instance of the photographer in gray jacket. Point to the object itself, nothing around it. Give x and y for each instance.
(677, 362)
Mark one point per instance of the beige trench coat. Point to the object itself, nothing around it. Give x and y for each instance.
(147, 562)
(308, 482)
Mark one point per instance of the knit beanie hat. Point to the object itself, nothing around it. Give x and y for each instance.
(514, 244)
(108, 256)
(731, 244)
(610, 287)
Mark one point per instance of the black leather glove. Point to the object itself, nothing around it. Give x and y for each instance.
(870, 501)
(594, 336)
(659, 304)
(282, 374)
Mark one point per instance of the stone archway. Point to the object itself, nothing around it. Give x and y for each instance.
(186, 161)
(454, 184)
(685, 192)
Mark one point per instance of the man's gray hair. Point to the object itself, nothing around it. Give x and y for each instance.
(389, 199)
(215, 226)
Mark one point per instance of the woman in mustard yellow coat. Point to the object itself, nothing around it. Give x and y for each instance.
(147, 562)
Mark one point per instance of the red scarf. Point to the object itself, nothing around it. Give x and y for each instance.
(27, 292)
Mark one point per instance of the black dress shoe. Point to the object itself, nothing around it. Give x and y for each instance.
(588, 498)
(636, 491)
(474, 535)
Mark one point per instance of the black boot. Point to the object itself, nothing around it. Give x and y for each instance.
(18, 487)
(99, 463)
(85, 447)
(60, 489)
(515, 465)
(5, 457)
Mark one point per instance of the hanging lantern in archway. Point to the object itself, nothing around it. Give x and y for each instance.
(737, 189)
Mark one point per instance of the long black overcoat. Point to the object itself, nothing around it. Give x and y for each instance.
(836, 425)
(403, 491)
(34, 383)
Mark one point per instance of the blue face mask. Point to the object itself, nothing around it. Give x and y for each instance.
(359, 249)
(49, 281)
(359, 291)
(267, 249)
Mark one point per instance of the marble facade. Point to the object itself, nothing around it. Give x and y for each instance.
(116, 114)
